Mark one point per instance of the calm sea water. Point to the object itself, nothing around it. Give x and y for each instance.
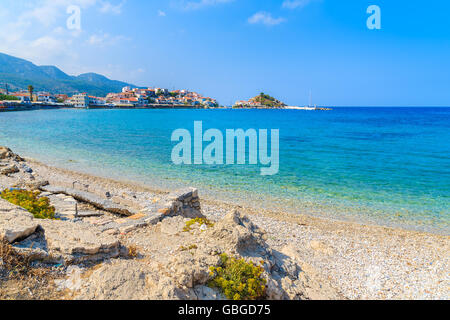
(390, 166)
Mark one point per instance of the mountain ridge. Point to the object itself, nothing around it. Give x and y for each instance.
(19, 73)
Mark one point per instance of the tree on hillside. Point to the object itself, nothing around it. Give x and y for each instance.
(30, 90)
(7, 97)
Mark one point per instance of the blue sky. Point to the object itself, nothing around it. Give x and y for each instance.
(234, 49)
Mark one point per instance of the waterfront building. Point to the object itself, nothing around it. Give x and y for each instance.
(24, 97)
(45, 97)
(80, 100)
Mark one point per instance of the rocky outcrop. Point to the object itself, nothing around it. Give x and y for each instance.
(303, 281)
(75, 241)
(184, 202)
(67, 242)
(240, 235)
(15, 223)
(54, 241)
(184, 273)
(6, 153)
(115, 280)
(286, 278)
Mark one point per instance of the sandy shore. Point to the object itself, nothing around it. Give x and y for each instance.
(360, 261)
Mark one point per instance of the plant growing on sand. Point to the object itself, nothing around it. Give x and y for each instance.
(13, 262)
(238, 279)
(191, 247)
(199, 221)
(133, 251)
(39, 207)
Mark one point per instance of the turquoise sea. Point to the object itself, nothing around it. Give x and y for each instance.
(389, 166)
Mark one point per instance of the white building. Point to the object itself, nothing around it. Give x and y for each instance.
(25, 99)
(45, 97)
(80, 100)
(160, 91)
(95, 101)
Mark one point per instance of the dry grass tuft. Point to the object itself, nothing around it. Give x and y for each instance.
(20, 281)
(133, 251)
(13, 262)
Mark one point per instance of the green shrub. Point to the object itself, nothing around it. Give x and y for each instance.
(200, 221)
(39, 207)
(191, 247)
(8, 97)
(238, 279)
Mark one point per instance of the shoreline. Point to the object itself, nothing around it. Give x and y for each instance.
(414, 205)
(360, 261)
(332, 213)
(285, 215)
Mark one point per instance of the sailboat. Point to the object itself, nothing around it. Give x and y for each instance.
(310, 106)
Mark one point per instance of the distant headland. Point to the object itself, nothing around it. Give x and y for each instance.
(265, 101)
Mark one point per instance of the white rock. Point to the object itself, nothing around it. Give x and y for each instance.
(15, 222)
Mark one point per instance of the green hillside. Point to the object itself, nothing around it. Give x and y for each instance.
(268, 101)
(19, 73)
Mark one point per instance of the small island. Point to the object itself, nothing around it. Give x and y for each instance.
(265, 101)
(262, 101)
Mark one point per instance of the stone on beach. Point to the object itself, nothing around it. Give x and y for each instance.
(67, 242)
(10, 169)
(56, 240)
(86, 214)
(15, 222)
(321, 247)
(78, 239)
(87, 197)
(36, 185)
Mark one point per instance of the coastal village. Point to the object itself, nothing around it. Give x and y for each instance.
(128, 98)
(131, 97)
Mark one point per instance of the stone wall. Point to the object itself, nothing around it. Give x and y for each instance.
(184, 202)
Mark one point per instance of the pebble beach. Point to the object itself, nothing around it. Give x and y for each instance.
(360, 261)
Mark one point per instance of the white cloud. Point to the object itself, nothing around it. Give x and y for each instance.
(161, 13)
(105, 39)
(265, 18)
(108, 7)
(46, 49)
(38, 32)
(294, 4)
(199, 4)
